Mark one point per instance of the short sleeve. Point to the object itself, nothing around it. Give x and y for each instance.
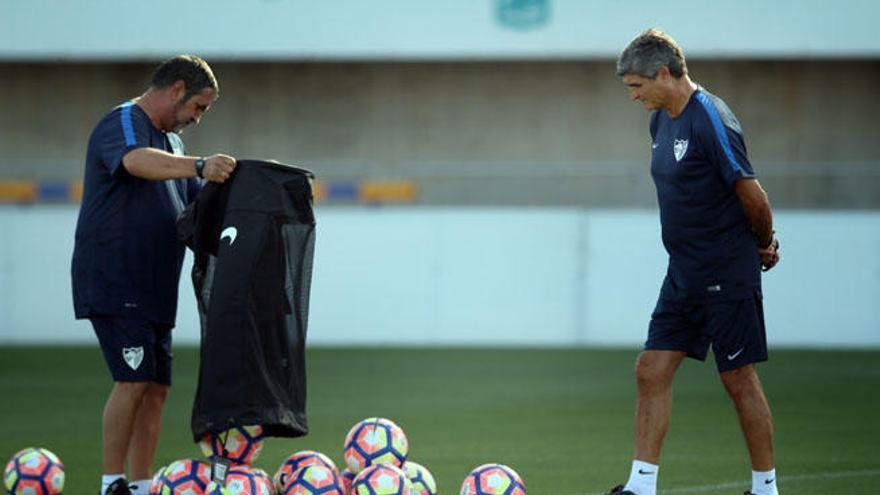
(126, 129)
(723, 143)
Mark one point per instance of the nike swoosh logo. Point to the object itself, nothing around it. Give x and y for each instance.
(771, 480)
(645, 472)
(731, 357)
(231, 233)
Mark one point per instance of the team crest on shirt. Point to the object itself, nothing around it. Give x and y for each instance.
(679, 148)
(133, 356)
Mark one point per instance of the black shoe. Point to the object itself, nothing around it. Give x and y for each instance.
(118, 487)
(618, 490)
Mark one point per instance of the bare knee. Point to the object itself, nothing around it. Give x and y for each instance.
(130, 390)
(155, 395)
(655, 370)
(645, 374)
(741, 382)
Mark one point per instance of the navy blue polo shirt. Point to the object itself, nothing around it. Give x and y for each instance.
(697, 157)
(127, 258)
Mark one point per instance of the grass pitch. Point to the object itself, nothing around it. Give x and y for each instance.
(561, 418)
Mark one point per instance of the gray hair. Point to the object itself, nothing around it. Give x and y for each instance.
(648, 52)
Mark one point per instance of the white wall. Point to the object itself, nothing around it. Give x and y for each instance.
(428, 29)
(497, 276)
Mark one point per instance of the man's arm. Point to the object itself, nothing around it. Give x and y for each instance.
(757, 208)
(156, 164)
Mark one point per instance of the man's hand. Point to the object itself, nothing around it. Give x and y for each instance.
(218, 167)
(769, 255)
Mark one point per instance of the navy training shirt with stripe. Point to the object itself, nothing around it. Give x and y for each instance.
(697, 157)
(127, 258)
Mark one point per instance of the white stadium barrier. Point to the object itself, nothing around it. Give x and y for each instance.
(485, 276)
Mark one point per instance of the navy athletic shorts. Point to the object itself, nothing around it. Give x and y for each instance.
(135, 350)
(734, 329)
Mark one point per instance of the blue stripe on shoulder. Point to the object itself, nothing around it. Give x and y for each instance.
(127, 126)
(718, 127)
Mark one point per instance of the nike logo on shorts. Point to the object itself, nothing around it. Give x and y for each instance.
(731, 357)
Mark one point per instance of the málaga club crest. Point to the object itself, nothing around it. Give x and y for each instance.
(679, 148)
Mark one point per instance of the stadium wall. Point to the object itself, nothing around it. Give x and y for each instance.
(432, 29)
(481, 133)
(485, 276)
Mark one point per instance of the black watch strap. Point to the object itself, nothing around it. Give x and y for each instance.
(200, 167)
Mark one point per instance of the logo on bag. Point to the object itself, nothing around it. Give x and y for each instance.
(680, 147)
(231, 233)
(133, 356)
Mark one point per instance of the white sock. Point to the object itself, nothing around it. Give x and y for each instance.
(764, 482)
(107, 479)
(642, 478)
(139, 487)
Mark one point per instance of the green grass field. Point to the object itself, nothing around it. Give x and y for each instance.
(562, 418)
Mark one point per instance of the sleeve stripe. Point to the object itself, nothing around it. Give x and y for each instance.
(127, 126)
(720, 132)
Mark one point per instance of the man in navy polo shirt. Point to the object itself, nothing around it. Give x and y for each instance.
(718, 230)
(127, 259)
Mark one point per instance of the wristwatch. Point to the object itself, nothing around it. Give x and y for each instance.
(200, 167)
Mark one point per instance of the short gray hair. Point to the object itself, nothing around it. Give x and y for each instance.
(648, 52)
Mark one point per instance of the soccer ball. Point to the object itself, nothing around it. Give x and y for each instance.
(347, 476)
(243, 480)
(241, 444)
(299, 460)
(264, 481)
(182, 477)
(493, 479)
(34, 471)
(381, 479)
(421, 479)
(314, 480)
(375, 441)
(264, 478)
(156, 482)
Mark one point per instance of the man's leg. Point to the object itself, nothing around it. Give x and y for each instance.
(654, 373)
(740, 342)
(655, 370)
(145, 435)
(118, 423)
(673, 334)
(745, 389)
(129, 349)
